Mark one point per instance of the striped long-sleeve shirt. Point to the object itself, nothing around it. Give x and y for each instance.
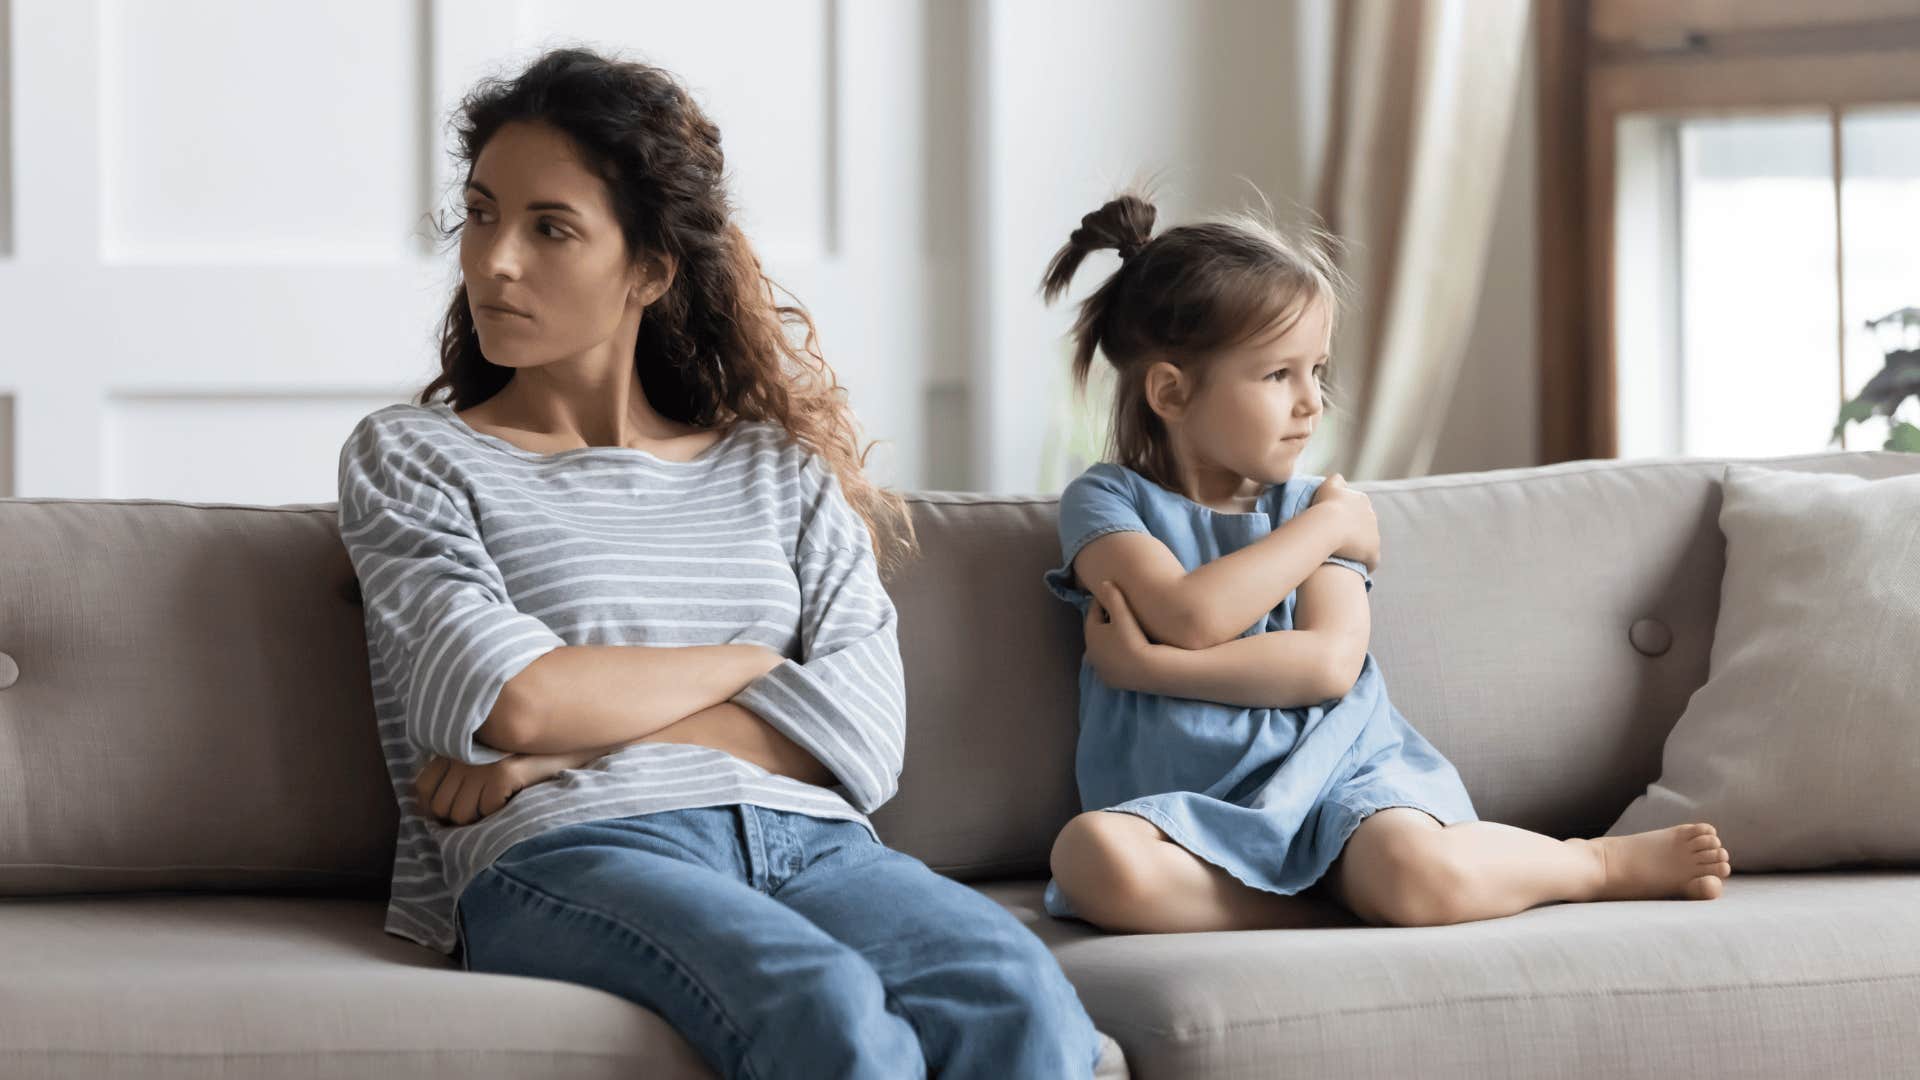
(476, 557)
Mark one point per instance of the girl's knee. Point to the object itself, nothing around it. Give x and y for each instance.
(1412, 878)
(1097, 862)
(1083, 851)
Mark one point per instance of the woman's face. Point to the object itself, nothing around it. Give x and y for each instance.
(547, 270)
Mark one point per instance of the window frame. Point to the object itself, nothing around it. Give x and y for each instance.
(1599, 60)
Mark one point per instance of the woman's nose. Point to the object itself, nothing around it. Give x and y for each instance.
(500, 256)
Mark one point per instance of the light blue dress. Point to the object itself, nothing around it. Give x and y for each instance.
(1269, 795)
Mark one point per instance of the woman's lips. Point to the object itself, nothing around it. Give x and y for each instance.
(501, 313)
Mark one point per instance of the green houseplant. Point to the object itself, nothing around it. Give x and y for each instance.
(1894, 384)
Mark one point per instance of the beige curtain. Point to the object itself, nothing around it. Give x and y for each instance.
(1422, 104)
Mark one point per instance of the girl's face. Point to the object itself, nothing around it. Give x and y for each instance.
(1259, 402)
(541, 238)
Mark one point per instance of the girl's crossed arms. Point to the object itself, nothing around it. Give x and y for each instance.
(1155, 627)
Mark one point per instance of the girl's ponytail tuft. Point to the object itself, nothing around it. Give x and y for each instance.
(1125, 225)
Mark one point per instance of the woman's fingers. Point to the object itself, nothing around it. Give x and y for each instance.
(466, 805)
(429, 778)
(444, 794)
(493, 796)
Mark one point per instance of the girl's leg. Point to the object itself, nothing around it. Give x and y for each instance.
(1120, 872)
(654, 909)
(986, 997)
(1403, 868)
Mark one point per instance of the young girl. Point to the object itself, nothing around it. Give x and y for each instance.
(1236, 742)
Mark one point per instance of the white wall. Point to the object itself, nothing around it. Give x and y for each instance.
(1081, 96)
(212, 260)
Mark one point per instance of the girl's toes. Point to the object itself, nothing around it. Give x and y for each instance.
(1704, 843)
(1711, 855)
(1703, 888)
(1723, 869)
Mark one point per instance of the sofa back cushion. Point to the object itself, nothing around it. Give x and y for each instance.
(190, 707)
(190, 704)
(1544, 627)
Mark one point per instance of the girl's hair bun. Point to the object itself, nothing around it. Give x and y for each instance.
(1124, 225)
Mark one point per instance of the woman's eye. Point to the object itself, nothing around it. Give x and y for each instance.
(558, 233)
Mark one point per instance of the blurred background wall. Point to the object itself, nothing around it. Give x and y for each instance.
(213, 257)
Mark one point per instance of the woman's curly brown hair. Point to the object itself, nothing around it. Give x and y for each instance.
(718, 346)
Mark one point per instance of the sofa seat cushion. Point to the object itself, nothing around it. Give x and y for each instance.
(197, 986)
(1787, 975)
(154, 985)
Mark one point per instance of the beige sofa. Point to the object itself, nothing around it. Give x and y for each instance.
(195, 824)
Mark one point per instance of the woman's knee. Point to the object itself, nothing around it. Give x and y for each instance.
(1098, 862)
(826, 1016)
(1013, 964)
(1010, 983)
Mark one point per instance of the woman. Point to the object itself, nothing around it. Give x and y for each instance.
(638, 682)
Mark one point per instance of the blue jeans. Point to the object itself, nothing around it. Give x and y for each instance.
(780, 944)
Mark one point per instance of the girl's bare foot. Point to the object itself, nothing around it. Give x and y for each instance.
(1685, 862)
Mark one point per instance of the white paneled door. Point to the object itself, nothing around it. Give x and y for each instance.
(213, 245)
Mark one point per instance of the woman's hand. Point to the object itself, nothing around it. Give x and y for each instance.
(1356, 513)
(461, 794)
(1116, 646)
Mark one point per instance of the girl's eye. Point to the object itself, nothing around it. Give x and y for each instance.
(1319, 372)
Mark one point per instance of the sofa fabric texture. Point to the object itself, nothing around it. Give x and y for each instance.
(186, 721)
(1803, 748)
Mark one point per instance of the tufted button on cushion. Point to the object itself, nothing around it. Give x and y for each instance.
(9, 671)
(1651, 636)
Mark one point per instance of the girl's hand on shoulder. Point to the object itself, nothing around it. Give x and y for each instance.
(1356, 512)
(456, 793)
(1116, 646)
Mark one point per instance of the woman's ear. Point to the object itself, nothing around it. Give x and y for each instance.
(1168, 390)
(652, 278)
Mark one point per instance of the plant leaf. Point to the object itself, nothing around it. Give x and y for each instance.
(1904, 437)
(1858, 409)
